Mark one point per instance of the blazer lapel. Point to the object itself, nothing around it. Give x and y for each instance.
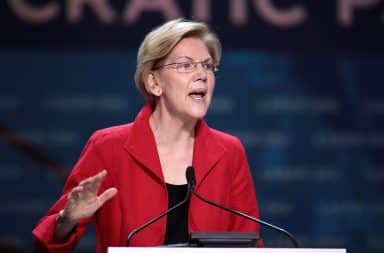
(142, 146)
(207, 151)
(141, 143)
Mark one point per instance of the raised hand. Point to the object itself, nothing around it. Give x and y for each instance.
(82, 202)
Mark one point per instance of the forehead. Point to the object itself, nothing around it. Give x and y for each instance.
(190, 47)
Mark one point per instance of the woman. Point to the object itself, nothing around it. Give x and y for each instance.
(130, 173)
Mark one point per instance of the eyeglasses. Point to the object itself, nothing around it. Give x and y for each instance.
(189, 66)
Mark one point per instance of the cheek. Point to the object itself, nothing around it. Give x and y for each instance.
(211, 83)
(172, 84)
(167, 80)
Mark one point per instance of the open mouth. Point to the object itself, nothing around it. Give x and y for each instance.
(197, 94)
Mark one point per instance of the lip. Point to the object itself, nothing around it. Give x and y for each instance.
(198, 94)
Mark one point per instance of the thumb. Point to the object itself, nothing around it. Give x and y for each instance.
(106, 195)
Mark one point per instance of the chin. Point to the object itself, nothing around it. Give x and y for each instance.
(197, 113)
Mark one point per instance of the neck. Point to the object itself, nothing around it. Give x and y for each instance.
(171, 131)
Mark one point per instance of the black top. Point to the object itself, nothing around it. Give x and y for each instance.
(177, 220)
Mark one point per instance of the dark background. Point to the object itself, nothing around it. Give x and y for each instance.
(306, 100)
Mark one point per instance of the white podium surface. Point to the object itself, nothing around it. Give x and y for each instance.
(219, 250)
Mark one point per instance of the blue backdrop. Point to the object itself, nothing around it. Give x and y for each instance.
(310, 115)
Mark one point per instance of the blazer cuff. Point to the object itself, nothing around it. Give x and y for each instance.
(43, 235)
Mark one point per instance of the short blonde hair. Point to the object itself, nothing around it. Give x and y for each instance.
(159, 43)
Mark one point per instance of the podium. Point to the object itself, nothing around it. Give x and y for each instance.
(219, 250)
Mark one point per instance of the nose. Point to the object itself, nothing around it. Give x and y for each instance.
(200, 67)
(201, 71)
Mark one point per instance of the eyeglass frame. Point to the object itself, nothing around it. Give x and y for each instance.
(193, 63)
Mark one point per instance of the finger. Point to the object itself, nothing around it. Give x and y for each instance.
(106, 195)
(93, 183)
(74, 194)
(98, 180)
(94, 177)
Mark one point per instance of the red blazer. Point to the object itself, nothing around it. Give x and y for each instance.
(128, 152)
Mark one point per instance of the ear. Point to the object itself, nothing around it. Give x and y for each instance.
(152, 85)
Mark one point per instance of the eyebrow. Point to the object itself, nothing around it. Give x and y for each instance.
(190, 58)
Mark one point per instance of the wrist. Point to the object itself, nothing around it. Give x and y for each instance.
(62, 218)
(63, 227)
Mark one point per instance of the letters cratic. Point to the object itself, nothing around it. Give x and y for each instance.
(289, 16)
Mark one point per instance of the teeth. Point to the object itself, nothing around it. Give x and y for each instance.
(197, 93)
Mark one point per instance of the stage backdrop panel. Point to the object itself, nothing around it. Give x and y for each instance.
(301, 84)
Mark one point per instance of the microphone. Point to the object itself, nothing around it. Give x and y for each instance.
(190, 184)
(191, 178)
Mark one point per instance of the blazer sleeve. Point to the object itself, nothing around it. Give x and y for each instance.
(88, 165)
(243, 193)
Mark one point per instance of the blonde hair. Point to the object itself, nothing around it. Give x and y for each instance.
(159, 43)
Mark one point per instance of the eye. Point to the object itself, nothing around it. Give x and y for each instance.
(184, 65)
(208, 66)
